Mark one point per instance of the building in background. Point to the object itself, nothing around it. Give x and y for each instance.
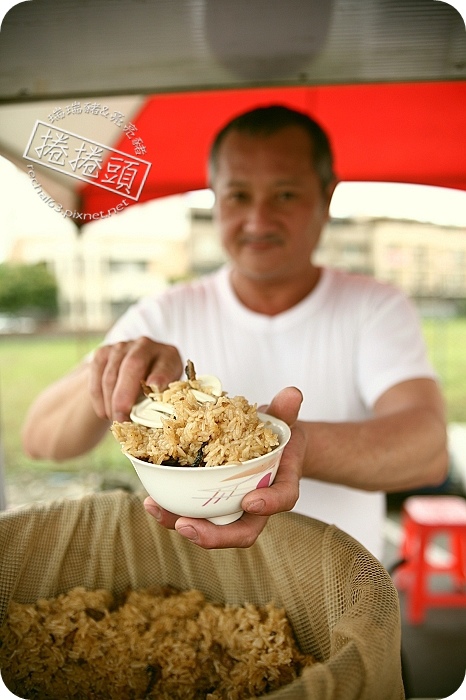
(105, 268)
(426, 260)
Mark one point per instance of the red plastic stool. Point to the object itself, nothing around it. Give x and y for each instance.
(424, 517)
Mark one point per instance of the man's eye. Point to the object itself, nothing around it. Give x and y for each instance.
(286, 195)
(238, 196)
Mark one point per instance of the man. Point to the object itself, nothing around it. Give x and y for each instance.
(371, 414)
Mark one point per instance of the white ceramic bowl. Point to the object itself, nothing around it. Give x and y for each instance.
(214, 493)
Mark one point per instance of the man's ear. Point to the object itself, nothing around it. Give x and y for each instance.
(327, 196)
(329, 190)
(215, 202)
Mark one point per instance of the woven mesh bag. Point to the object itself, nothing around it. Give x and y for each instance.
(340, 601)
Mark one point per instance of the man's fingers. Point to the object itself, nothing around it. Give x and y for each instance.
(117, 371)
(132, 367)
(241, 533)
(166, 368)
(286, 404)
(97, 368)
(111, 378)
(142, 360)
(164, 517)
(284, 492)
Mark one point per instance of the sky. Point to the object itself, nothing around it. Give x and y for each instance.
(22, 212)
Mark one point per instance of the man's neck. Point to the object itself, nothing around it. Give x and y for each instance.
(273, 297)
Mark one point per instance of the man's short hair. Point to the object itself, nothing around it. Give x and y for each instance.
(264, 121)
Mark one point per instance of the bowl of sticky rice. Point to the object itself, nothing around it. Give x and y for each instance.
(198, 451)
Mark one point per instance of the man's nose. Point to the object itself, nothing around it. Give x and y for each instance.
(259, 217)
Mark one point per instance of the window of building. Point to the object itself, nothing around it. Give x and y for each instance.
(127, 266)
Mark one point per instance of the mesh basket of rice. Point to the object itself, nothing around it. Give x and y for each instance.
(98, 601)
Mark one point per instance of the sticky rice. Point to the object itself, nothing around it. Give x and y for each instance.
(147, 644)
(213, 433)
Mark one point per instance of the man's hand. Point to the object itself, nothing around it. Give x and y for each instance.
(259, 504)
(117, 370)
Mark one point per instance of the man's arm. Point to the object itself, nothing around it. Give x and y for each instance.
(61, 423)
(403, 446)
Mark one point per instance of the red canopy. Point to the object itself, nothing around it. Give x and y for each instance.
(403, 132)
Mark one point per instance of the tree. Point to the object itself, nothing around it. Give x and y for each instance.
(28, 290)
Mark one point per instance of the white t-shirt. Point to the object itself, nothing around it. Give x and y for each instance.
(343, 345)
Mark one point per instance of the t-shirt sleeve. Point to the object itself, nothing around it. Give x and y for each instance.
(392, 347)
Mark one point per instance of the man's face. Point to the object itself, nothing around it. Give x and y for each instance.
(269, 204)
